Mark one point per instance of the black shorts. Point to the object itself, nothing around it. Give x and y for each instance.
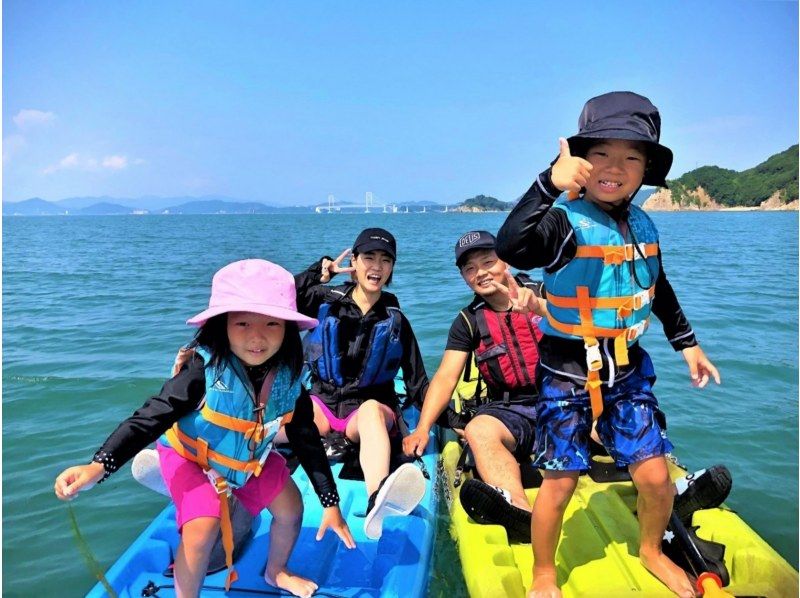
(520, 420)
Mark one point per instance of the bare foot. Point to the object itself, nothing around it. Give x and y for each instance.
(544, 586)
(296, 585)
(668, 573)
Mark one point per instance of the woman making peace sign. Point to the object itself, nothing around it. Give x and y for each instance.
(362, 340)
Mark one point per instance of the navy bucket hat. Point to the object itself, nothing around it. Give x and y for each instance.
(624, 115)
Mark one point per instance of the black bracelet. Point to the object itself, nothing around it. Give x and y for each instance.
(108, 462)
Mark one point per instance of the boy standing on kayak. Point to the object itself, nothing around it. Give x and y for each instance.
(501, 432)
(604, 276)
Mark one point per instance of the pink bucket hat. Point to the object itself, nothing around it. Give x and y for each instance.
(256, 286)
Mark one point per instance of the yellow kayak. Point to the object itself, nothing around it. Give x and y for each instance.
(597, 555)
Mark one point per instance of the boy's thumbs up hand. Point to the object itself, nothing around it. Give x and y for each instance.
(569, 173)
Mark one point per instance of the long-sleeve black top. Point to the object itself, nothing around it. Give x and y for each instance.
(534, 236)
(183, 394)
(354, 331)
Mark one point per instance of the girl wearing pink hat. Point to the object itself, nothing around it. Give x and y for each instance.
(216, 422)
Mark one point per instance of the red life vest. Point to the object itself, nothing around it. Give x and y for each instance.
(508, 353)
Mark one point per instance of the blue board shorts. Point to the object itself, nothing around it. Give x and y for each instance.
(520, 420)
(631, 427)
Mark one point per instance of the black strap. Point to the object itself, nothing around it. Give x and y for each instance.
(461, 464)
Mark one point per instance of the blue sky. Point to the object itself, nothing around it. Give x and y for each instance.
(287, 102)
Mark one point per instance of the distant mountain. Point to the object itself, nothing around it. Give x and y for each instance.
(215, 206)
(104, 206)
(33, 207)
(73, 204)
(150, 203)
(103, 209)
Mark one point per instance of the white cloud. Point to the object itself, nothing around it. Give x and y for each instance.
(27, 118)
(115, 162)
(75, 161)
(66, 163)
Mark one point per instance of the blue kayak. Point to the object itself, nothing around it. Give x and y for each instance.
(398, 564)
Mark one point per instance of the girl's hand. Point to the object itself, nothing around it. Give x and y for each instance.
(181, 359)
(700, 367)
(569, 173)
(332, 518)
(74, 479)
(332, 268)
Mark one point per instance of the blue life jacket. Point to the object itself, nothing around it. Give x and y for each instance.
(229, 433)
(606, 290)
(323, 353)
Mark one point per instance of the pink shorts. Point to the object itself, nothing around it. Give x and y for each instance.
(337, 424)
(194, 496)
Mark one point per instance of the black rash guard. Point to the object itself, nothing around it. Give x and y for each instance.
(534, 236)
(354, 325)
(183, 394)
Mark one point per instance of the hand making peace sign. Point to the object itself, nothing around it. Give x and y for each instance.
(523, 299)
(331, 268)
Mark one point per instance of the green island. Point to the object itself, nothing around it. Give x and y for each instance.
(483, 203)
(769, 185)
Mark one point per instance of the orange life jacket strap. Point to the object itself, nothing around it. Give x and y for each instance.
(621, 351)
(202, 454)
(630, 334)
(616, 254)
(248, 427)
(624, 305)
(594, 386)
(227, 529)
(583, 301)
(594, 362)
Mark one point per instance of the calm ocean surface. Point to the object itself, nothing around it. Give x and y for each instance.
(94, 310)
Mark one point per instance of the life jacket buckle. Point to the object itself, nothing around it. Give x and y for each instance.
(614, 256)
(256, 434)
(635, 331)
(219, 482)
(594, 360)
(630, 254)
(641, 299)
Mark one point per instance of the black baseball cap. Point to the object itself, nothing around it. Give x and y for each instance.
(474, 239)
(372, 239)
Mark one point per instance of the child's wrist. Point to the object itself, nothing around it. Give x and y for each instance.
(107, 462)
(329, 499)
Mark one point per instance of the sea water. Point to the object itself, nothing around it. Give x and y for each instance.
(94, 310)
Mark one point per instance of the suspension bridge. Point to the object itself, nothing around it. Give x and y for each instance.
(370, 205)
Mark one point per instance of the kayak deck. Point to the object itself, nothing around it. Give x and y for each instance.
(598, 552)
(396, 565)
